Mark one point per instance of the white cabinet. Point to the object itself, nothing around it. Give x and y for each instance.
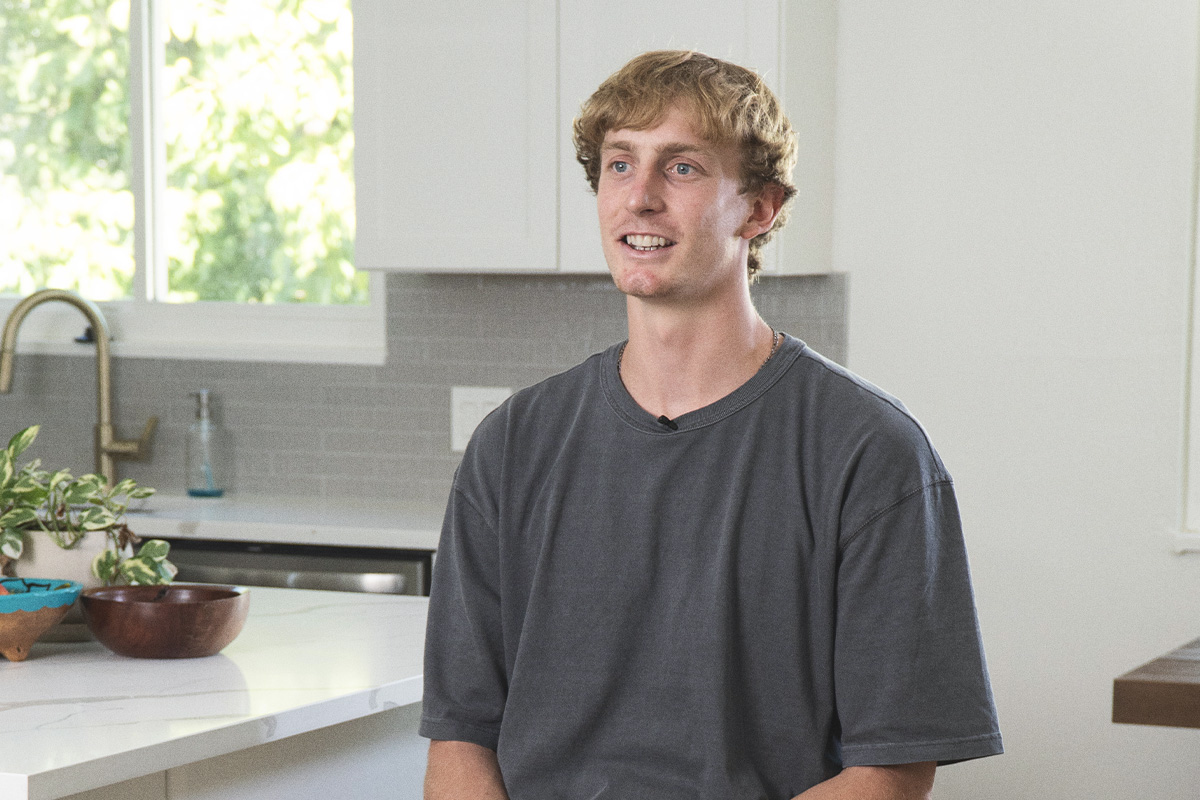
(455, 116)
(463, 113)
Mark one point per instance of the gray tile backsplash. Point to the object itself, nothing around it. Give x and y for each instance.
(369, 432)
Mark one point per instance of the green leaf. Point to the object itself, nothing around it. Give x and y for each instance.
(12, 543)
(96, 519)
(18, 443)
(58, 477)
(6, 468)
(104, 566)
(27, 485)
(124, 487)
(154, 549)
(81, 492)
(18, 517)
(138, 571)
(141, 491)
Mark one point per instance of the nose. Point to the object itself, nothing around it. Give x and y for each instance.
(645, 193)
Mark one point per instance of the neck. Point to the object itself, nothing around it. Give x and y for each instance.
(679, 359)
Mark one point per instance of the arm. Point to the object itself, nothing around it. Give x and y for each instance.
(899, 782)
(462, 771)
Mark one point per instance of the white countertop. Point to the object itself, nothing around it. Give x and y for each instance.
(287, 519)
(74, 716)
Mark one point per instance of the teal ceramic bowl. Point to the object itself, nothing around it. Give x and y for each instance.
(28, 608)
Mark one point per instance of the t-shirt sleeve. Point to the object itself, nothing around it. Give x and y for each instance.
(911, 682)
(465, 678)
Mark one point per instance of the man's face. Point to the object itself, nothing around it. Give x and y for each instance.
(672, 221)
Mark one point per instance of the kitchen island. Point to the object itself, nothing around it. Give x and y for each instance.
(290, 520)
(317, 697)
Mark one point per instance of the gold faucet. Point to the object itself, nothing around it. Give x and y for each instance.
(108, 447)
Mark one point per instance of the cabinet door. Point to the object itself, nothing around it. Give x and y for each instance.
(807, 67)
(596, 39)
(455, 120)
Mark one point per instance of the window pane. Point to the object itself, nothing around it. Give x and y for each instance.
(66, 209)
(259, 137)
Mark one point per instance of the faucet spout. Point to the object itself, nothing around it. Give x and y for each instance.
(108, 447)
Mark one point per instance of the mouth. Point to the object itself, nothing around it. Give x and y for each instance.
(646, 244)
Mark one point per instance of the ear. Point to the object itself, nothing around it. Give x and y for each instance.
(764, 208)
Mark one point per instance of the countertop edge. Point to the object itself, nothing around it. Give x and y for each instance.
(221, 741)
(287, 520)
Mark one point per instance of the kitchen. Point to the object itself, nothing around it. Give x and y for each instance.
(1012, 249)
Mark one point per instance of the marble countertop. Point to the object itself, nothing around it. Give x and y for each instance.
(74, 716)
(287, 519)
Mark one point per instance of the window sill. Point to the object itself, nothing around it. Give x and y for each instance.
(217, 331)
(1186, 542)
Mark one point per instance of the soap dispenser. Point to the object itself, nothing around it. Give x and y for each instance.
(207, 453)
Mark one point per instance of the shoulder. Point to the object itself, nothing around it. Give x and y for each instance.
(535, 414)
(547, 403)
(861, 448)
(843, 404)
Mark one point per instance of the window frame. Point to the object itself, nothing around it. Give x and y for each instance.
(1187, 538)
(146, 327)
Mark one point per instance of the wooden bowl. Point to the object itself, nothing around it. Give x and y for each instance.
(28, 608)
(173, 621)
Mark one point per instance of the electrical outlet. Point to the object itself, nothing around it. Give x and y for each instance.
(468, 406)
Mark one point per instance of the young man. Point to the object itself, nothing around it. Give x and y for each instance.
(706, 563)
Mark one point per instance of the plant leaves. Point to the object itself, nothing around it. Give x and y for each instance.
(59, 477)
(154, 549)
(104, 566)
(19, 442)
(82, 490)
(96, 518)
(141, 491)
(27, 485)
(17, 517)
(139, 571)
(12, 543)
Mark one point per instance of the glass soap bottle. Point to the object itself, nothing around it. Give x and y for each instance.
(206, 453)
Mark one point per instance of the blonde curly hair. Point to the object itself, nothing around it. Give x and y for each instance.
(731, 104)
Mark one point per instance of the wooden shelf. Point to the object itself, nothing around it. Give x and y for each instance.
(1165, 691)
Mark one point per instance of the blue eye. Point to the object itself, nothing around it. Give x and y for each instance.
(619, 167)
(682, 169)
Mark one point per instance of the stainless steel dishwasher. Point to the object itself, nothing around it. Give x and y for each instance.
(381, 570)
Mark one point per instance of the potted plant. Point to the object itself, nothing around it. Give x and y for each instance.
(66, 509)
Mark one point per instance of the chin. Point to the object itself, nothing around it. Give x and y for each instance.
(639, 284)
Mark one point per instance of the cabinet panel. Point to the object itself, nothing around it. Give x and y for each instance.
(463, 114)
(808, 61)
(596, 39)
(455, 120)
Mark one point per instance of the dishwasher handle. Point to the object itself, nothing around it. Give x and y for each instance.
(372, 582)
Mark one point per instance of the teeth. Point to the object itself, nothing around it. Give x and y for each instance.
(641, 242)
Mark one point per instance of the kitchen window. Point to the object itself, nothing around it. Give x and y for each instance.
(188, 165)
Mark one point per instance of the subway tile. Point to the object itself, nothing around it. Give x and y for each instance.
(336, 431)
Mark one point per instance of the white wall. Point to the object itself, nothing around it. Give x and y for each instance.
(1013, 208)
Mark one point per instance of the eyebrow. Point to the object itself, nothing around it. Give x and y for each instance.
(670, 149)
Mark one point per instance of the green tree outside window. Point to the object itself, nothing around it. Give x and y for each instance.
(256, 120)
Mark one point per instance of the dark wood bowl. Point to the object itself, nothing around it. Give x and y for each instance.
(173, 621)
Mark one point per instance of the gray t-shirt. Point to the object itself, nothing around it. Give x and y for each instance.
(734, 608)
